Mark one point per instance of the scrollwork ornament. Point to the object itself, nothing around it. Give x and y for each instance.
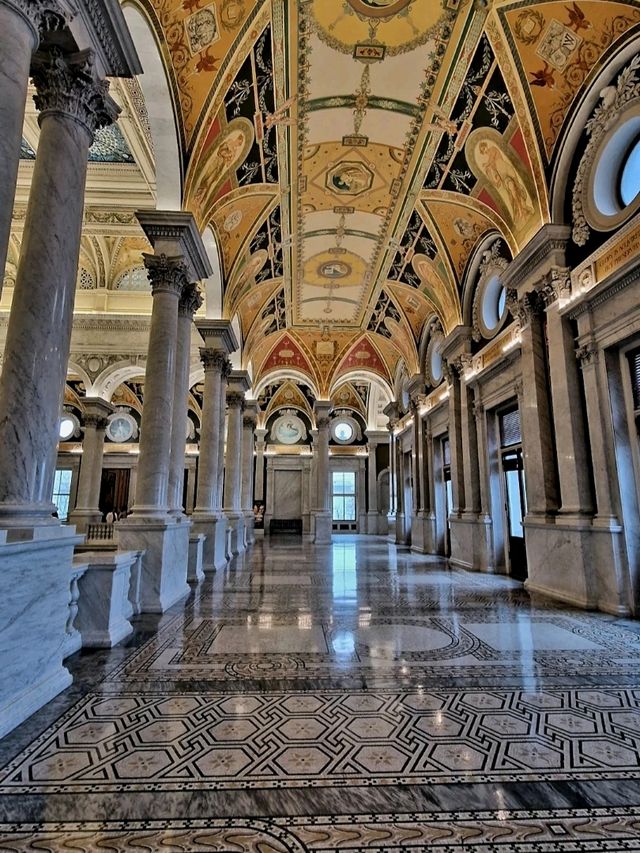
(67, 85)
(587, 354)
(613, 100)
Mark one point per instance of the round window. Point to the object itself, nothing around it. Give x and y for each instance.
(435, 365)
(630, 175)
(343, 431)
(494, 303)
(67, 429)
(614, 186)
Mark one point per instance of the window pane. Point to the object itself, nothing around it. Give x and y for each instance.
(338, 509)
(338, 483)
(65, 482)
(350, 509)
(513, 504)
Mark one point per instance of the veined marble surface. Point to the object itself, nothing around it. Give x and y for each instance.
(347, 696)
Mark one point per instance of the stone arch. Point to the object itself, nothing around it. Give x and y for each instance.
(160, 108)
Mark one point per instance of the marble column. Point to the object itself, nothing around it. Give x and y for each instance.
(168, 278)
(259, 475)
(391, 518)
(323, 515)
(431, 529)
(222, 432)
(96, 413)
(248, 428)
(453, 372)
(35, 561)
(190, 301)
(419, 520)
(72, 105)
(22, 24)
(238, 385)
(372, 486)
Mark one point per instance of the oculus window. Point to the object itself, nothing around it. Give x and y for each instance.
(67, 428)
(343, 489)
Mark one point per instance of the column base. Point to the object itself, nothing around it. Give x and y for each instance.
(35, 591)
(249, 528)
(323, 528)
(403, 530)
(164, 565)
(103, 606)
(374, 523)
(235, 522)
(472, 543)
(214, 527)
(419, 533)
(195, 570)
(82, 518)
(391, 528)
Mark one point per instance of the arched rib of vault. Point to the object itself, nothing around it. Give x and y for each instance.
(161, 109)
(213, 286)
(284, 374)
(111, 377)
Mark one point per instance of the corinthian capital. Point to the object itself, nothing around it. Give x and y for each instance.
(167, 274)
(212, 359)
(42, 17)
(67, 85)
(235, 400)
(190, 301)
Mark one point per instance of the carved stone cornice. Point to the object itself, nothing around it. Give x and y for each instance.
(235, 399)
(545, 250)
(68, 86)
(190, 300)
(111, 37)
(213, 359)
(167, 275)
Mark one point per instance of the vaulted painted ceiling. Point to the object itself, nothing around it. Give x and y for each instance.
(351, 155)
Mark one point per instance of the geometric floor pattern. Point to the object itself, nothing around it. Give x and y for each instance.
(153, 742)
(352, 697)
(456, 832)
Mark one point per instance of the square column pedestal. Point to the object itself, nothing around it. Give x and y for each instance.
(323, 528)
(165, 542)
(35, 573)
(235, 523)
(214, 552)
(249, 529)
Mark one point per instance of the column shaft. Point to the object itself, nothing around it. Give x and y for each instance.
(234, 453)
(248, 426)
(221, 435)
(208, 462)
(168, 277)
(190, 301)
(72, 105)
(322, 445)
(372, 478)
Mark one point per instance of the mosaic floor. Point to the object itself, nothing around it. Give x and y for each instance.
(349, 697)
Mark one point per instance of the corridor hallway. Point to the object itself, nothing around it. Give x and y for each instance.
(351, 696)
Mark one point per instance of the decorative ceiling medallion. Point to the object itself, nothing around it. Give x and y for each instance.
(349, 178)
(202, 28)
(369, 52)
(288, 429)
(384, 9)
(334, 269)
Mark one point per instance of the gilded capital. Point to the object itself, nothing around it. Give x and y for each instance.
(167, 274)
(66, 85)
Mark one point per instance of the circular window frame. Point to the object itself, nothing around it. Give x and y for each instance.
(132, 424)
(491, 286)
(356, 432)
(604, 208)
(75, 432)
(434, 347)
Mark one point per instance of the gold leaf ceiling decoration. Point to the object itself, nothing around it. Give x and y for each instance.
(351, 155)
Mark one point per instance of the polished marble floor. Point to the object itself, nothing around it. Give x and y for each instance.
(347, 697)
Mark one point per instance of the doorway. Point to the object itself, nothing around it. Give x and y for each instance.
(515, 499)
(343, 500)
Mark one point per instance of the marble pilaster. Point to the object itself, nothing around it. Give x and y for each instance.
(238, 385)
(259, 475)
(36, 552)
(248, 429)
(391, 411)
(373, 513)
(323, 524)
(87, 511)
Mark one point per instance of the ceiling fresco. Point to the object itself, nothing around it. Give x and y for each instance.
(351, 155)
